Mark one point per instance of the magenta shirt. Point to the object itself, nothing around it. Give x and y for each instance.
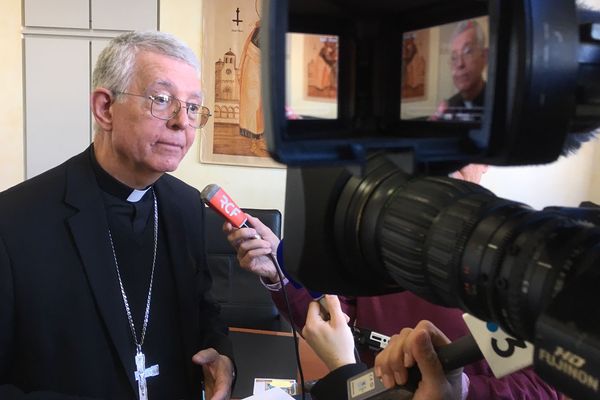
(390, 313)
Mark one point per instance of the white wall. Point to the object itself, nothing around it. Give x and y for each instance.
(251, 187)
(12, 163)
(566, 182)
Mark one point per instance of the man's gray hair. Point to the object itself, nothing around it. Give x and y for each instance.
(470, 24)
(116, 63)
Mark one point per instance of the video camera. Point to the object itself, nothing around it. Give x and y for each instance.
(370, 209)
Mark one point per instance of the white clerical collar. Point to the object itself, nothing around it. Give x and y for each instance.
(136, 195)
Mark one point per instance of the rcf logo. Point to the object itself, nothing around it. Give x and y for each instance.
(229, 206)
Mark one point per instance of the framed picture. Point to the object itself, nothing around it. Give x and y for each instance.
(231, 85)
(415, 64)
(321, 66)
(312, 64)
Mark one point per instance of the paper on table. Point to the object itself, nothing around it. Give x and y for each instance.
(264, 384)
(271, 394)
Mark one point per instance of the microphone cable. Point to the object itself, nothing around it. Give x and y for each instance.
(294, 332)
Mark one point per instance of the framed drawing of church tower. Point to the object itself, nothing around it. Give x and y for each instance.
(231, 84)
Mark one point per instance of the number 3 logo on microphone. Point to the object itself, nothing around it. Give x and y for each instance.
(504, 354)
(506, 346)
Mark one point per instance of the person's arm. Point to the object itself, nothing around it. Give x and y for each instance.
(470, 173)
(215, 354)
(253, 255)
(9, 391)
(333, 342)
(477, 381)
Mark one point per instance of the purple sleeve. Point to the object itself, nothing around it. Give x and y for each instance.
(298, 301)
(521, 385)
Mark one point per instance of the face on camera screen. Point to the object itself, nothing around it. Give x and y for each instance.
(444, 70)
(311, 76)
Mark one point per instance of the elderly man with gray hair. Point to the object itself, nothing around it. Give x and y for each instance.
(103, 275)
(468, 59)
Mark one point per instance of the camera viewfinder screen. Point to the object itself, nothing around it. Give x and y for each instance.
(311, 76)
(444, 70)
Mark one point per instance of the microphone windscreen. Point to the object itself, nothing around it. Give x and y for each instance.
(216, 198)
(209, 191)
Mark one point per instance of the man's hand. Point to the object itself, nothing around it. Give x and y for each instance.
(331, 340)
(218, 373)
(416, 345)
(252, 253)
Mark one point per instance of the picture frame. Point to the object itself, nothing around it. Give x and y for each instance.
(230, 66)
(321, 65)
(415, 65)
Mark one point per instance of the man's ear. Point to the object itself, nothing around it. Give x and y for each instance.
(101, 99)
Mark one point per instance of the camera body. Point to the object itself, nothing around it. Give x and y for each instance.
(369, 207)
(530, 94)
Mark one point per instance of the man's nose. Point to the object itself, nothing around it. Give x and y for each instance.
(180, 120)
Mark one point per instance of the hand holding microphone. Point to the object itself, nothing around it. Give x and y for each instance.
(417, 347)
(253, 241)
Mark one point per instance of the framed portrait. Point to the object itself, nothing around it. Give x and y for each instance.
(415, 64)
(312, 68)
(321, 66)
(235, 135)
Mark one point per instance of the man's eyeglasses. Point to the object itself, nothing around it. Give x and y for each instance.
(466, 54)
(165, 107)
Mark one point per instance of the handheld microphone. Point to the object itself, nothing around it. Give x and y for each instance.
(503, 353)
(366, 386)
(221, 202)
(216, 198)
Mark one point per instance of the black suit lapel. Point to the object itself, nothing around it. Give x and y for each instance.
(89, 228)
(183, 269)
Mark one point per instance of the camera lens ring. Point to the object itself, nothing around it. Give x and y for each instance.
(509, 297)
(490, 238)
(355, 196)
(405, 222)
(552, 268)
(446, 242)
(372, 216)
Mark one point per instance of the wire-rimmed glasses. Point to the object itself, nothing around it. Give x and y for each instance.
(165, 107)
(466, 54)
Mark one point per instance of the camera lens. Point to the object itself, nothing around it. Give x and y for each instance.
(456, 244)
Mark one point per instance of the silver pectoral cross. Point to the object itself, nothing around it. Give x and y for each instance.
(142, 373)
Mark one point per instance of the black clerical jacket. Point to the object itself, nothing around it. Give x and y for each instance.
(64, 332)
